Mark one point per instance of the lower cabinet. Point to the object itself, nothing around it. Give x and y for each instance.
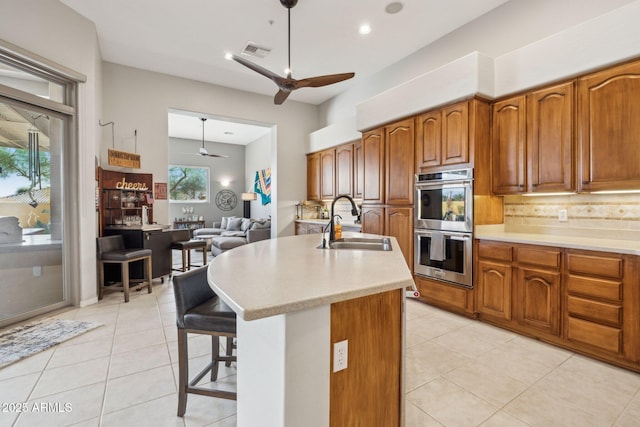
(583, 300)
(308, 228)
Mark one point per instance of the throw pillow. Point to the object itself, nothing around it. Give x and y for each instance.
(259, 225)
(233, 224)
(246, 224)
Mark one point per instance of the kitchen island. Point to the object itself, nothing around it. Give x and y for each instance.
(294, 301)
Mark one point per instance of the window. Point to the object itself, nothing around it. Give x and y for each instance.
(188, 184)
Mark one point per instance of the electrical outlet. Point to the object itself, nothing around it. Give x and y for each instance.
(340, 355)
(562, 215)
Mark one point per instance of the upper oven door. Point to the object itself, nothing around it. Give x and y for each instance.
(444, 206)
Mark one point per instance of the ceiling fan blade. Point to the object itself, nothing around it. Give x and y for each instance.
(323, 80)
(281, 96)
(258, 69)
(203, 152)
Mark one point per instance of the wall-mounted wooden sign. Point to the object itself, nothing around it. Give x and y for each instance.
(160, 188)
(122, 158)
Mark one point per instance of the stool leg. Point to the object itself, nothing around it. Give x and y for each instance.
(149, 273)
(204, 255)
(189, 259)
(183, 371)
(184, 264)
(215, 350)
(101, 280)
(124, 267)
(229, 350)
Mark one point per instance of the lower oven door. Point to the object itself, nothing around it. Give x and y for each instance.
(444, 255)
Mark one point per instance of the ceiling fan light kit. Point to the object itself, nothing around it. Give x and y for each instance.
(288, 84)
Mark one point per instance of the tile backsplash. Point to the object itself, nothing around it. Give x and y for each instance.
(616, 213)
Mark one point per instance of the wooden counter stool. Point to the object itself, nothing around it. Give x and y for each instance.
(111, 250)
(200, 311)
(181, 240)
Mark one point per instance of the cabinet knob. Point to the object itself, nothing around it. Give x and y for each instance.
(585, 182)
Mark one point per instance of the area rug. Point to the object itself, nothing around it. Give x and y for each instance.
(31, 338)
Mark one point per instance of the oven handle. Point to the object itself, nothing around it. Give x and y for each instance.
(453, 236)
(441, 184)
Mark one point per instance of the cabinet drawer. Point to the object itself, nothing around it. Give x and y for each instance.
(600, 336)
(595, 265)
(595, 288)
(595, 310)
(495, 251)
(541, 257)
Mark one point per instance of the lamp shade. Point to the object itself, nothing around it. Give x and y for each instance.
(249, 196)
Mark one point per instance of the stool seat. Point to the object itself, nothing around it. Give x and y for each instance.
(189, 244)
(213, 311)
(111, 250)
(181, 240)
(125, 254)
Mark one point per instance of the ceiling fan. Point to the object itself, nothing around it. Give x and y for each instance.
(288, 84)
(203, 151)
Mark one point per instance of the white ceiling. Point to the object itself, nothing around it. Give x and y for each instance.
(188, 125)
(190, 38)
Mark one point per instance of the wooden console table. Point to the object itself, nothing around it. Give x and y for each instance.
(190, 225)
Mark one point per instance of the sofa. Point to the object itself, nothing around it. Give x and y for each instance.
(232, 232)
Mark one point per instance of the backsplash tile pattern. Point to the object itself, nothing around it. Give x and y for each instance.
(584, 211)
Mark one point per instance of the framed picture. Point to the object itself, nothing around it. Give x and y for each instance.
(188, 184)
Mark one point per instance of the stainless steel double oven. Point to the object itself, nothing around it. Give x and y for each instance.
(444, 226)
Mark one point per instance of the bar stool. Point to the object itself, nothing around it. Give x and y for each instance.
(111, 250)
(200, 311)
(181, 240)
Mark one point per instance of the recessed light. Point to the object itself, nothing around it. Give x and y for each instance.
(228, 56)
(394, 7)
(228, 133)
(364, 29)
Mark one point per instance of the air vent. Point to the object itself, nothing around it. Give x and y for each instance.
(252, 49)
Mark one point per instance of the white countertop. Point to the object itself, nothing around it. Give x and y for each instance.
(288, 274)
(596, 243)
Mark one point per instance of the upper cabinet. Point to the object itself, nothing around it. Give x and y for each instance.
(442, 136)
(313, 176)
(344, 170)
(373, 166)
(532, 142)
(609, 129)
(327, 174)
(358, 170)
(399, 150)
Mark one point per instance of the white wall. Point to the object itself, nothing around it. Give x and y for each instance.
(509, 27)
(138, 99)
(55, 32)
(258, 157)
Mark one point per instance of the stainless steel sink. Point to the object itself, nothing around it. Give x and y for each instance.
(361, 243)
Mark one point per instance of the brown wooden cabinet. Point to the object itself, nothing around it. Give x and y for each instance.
(550, 141)
(372, 219)
(609, 129)
(493, 280)
(344, 170)
(327, 174)
(399, 149)
(442, 136)
(313, 176)
(508, 145)
(532, 142)
(398, 222)
(308, 228)
(373, 166)
(358, 170)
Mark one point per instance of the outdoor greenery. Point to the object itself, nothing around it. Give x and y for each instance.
(15, 161)
(188, 184)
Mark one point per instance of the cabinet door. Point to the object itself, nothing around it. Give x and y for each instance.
(344, 170)
(455, 134)
(400, 145)
(494, 289)
(609, 129)
(327, 174)
(550, 141)
(313, 176)
(399, 224)
(373, 219)
(428, 139)
(358, 166)
(508, 145)
(538, 299)
(373, 155)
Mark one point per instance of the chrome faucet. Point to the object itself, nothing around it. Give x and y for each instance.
(354, 212)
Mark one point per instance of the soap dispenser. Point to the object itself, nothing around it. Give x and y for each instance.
(337, 227)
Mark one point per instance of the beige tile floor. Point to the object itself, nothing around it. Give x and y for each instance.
(459, 373)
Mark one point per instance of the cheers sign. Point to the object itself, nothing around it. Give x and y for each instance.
(124, 185)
